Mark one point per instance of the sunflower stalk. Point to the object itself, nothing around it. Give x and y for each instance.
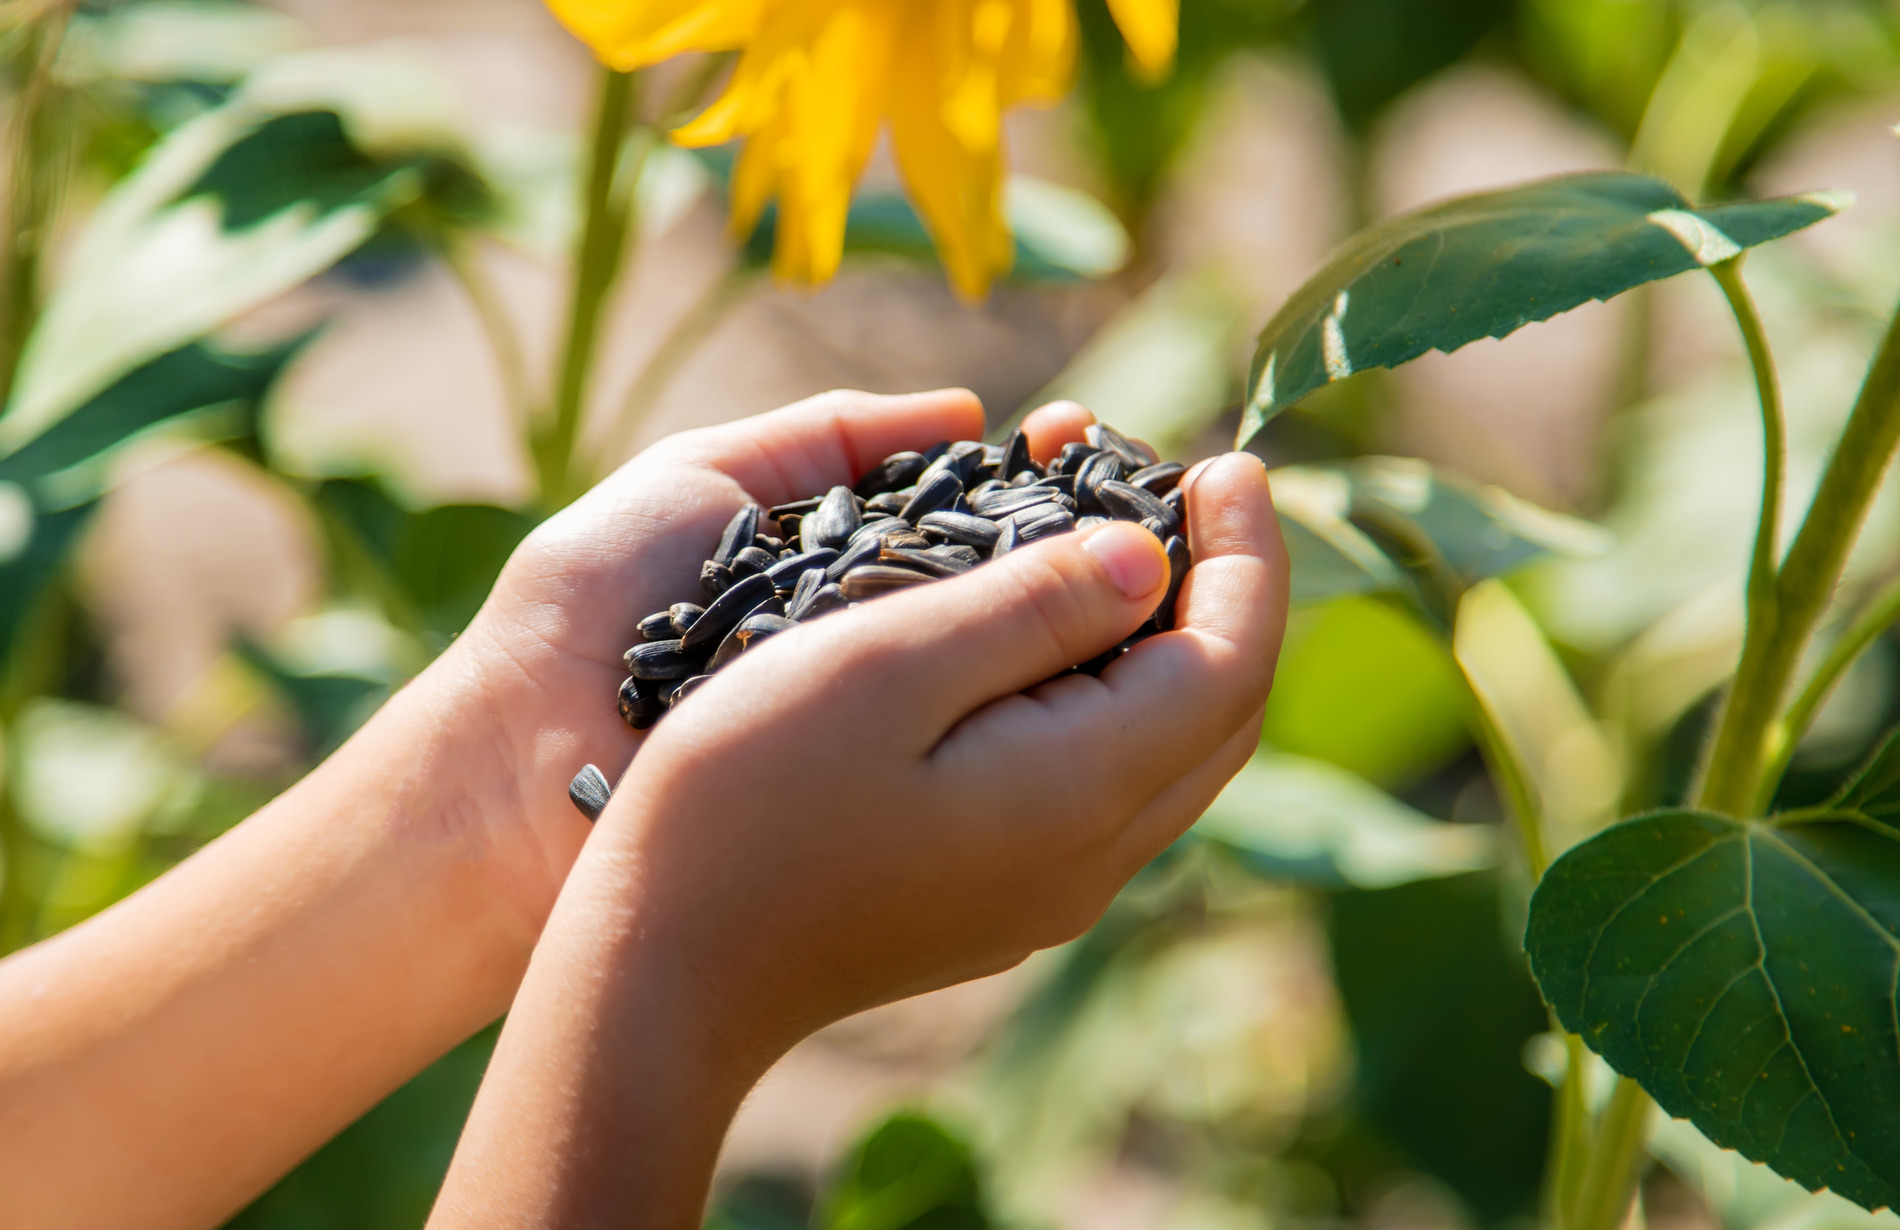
(33, 181)
(607, 217)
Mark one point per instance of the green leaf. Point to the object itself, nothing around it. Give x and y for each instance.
(1486, 265)
(910, 1172)
(1391, 524)
(1744, 972)
(330, 705)
(1295, 818)
(1441, 1009)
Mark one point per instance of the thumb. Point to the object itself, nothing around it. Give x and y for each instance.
(955, 645)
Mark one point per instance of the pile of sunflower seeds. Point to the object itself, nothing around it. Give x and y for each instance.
(915, 518)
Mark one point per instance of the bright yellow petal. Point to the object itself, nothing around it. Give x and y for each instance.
(629, 34)
(1038, 66)
(956, 187)
(1150, 28)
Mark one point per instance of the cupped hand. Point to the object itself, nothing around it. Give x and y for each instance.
(543, 657)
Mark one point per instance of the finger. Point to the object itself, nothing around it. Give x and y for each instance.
(1172, 812)
(1054, 425)
(1157, 711)
(949, 648)
(824, 441)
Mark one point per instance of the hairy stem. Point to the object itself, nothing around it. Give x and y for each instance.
(1806, 583)
(1876, 617)
(607, 209)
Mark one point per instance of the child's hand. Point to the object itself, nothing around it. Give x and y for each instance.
(543, 658)
(863, 808)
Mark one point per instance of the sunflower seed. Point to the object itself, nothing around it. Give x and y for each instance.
(1135, 456)
(751, 560)
(829, 598)
(590, 792)
(1158, 479)
(738, 535)
(1025, 478)
(897, 470)
(969, 556)
(789, 572)
(921, 561)
(657, 661)
(769, 544)
(833, 522)
(999, 504)
(727, 610)
(1006, 541)
(1064, 483)
(689, 686)
(1070, 459)
(940, 490)
(683, 614)
(1016, 457)
(657, 627)
(1126, 503)
(1178, 564)
(890, 503)
(809, 583)
(1099, 469)
(715, 578)
(1089, 523)
(797, 508)
(906, 540)
(870, 580)
(1042, 521)
(966, 528)
(863, 550)
(640, 706)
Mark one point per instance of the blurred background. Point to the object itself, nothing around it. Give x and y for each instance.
(285, 281)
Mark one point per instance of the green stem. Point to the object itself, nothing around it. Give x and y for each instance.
(1806, 582)
(607, 206)
(1609, 1178)
(1517, 789)
(31, 190)
(1876, 617)
(1572, 1142)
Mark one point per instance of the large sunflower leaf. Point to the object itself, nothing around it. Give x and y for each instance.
(1745, 973)
(1486, 265)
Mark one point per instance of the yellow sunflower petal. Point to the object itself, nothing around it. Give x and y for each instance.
(955, 186)
(630, 34)
(1150, 28)
(1038, 65)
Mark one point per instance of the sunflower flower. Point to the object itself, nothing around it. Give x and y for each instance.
(817, 80)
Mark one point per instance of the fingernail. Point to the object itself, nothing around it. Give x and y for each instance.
(1131, 557)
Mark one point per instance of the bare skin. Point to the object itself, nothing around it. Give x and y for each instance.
(164, 1062)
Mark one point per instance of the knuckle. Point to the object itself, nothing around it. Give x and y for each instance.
(1057, 604)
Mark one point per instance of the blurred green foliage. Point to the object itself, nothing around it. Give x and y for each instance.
(1420, 949)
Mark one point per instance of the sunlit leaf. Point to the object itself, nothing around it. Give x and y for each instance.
(1744, 971)
(85, 776)
(1486, 265)
(1293, 818)
(910, 1173)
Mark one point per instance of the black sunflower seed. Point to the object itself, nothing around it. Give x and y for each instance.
(788, 572)
(727, 610)
(1135, 456)
(863, 550)
(1070, 459)
(1126, 503)
(751, 560)
(809, 583)
(715, 578)
(1158, 479)
(751, 630)
(870, 580)
(590, 792)
(640, 705)
(969, 556)
(999, 504)
(739, 534)
(1101, 468)
(897, 470)
(1006, 541)
(683, 614)
(657, 661)
(657, 627)
(940, 490)
(890, 503)
(966, 528)
(797, 508)
(1178, 564)
(921, 561)
(1042, 521)
(688, 686)
(1016, 457)
(829, 598)
(832, 523)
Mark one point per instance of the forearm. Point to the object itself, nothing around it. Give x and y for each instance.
(611, 1089)
(163, 1062)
